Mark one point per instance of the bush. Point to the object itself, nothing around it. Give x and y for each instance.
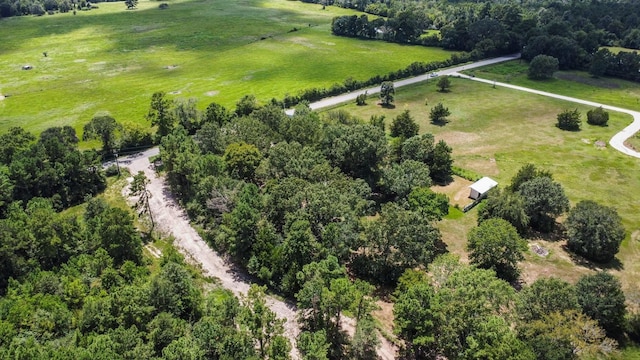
(542, 67)
(597, 117)
(569, 120)
(594, 231)
(112, 170)
(163, 6)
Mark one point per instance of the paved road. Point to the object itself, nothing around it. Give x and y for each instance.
(617, 141)
(332, 101)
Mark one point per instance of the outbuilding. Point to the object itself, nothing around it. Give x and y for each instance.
(480, 188)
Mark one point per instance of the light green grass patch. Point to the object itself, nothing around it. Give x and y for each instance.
(114, 59)
(495, 131)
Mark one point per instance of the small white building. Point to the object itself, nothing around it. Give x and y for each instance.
(481, 187)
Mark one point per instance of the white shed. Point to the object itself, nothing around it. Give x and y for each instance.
(480, 187)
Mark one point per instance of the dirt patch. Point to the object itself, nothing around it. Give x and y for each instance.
(457, 191)
(212, 93)
(602, 83)
(171, 67)
(600, 144)
(539, 250)
(2, 97)
(385, 315)
(176, 92)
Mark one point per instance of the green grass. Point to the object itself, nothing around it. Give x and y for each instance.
(578, 84)
(113, 59)
(494, 132)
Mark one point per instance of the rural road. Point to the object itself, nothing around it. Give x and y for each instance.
(617, 141)
(335, 100)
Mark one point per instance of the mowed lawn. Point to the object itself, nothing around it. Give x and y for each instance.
(495, 131)
(215, 50)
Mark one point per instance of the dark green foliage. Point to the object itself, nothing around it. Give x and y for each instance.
(415, 320)
(246, 105)
(398, 240)
(444, 84)
(173, 291)
(569, 120)
(186, 114)
(131, 4)
(404, 126)
(495, 244)
(526, 173)
(419, 148)
(13, 142)
(594, 231)
(432, 205)
(118, 236)
(601, 298)
(598, 117)
(242, 160)
(361, 99)
(542, 67)
(544, 297)
(304, 127)
(544, 201)
(387, 94)
(438, 114)
(160, 114)
(506, 205)
(216, 114)
(442, 162)
(357, 150)
(398, 180)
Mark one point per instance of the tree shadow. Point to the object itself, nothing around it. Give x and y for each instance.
(440, 123)
(614, 264)
(387, 106)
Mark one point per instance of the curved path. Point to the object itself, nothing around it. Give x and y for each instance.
(617, 141)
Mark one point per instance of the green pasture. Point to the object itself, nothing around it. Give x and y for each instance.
(495, 131)
(114, 59)
(578, 84)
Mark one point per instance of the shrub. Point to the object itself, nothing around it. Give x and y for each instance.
(569, 120)
(597, 117)
(163, 6)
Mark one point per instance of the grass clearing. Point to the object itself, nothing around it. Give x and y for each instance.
(215, 50)
(495, 131)
(577, 84)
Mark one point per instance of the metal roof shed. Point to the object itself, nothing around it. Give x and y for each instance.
(480, 187)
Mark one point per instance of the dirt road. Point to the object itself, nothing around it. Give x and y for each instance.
(171, 219)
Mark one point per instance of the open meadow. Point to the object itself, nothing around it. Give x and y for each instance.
(495, 131)
(113, 59)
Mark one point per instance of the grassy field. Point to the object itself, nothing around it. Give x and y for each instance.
(578, 84)
(215, 50)
(496, 131)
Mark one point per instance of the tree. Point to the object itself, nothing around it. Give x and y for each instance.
(105, 127)
(186, 114)
(601, 298)
(542, 67)
(160, 114)
(266, 330)
(216, 114)
(495, 244)
(432, 205)
(419, 148)
(544, 201)
(404, 126)
(139, 189)
(246, 105)
(118, 236)
(415, 318)
(397, 240)
(594, 231)
(526, 173)
(597, 116)
(387, 93)
(361, 99)
(444, 83)
(505, 205)
(544, 297)
(131, 4)
(442, 162)
(569, 120)
(242, 160)
(399, 179)
(566, 335)
(438, 114)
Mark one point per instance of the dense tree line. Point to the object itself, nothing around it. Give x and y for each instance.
(462, 312)
(570, 32)
(50, 167)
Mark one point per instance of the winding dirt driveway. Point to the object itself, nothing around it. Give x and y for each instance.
(617, 141)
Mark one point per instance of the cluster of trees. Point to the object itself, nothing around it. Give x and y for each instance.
(50, 167)
(10, 8)
(533, 202)
(569, 32)
(280, 192)
(462, 312)
(78, 288)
